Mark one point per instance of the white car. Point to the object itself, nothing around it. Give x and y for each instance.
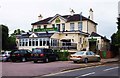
(84, 56)
(4, 56)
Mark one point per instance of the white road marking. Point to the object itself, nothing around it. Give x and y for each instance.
(69, 71)
(85, 75)
(110, 68)
(88, 74)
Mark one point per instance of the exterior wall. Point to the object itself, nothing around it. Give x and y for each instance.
(102, 45)
(91, 27)
(35, 26)
(55, 36)
(105, 45)
(74, 37)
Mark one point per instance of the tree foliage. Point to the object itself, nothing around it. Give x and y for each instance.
(4, 37)
(9, 42)
(18, 32)
(12, 43)
(115, 38)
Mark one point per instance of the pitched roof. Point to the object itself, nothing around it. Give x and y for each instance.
(97, 35)
(69, 18)
(40, 35)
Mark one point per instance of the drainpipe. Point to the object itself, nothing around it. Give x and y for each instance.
(81, 18)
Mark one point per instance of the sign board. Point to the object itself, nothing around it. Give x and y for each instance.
(45, 29)
(92, 39)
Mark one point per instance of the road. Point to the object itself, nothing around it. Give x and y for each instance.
(35, 69)
(108, 70)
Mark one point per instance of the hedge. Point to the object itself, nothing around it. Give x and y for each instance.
(63, 54)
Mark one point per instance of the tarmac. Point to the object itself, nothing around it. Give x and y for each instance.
(102, 62)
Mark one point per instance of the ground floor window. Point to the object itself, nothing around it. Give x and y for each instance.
(38, 42)
(23, 42)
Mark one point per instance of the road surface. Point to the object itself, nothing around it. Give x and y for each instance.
(103, 71)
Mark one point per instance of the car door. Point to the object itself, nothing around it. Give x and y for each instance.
(89, 56)
(28, 54)
(93, 56)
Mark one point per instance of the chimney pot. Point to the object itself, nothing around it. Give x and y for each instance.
(40, 17)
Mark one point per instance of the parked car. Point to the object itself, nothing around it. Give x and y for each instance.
(20, 55)
(5, 56)
(84, 56)
(43, 54)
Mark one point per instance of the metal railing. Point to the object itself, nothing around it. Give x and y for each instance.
(65, 46)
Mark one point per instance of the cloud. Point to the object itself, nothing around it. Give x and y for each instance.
(21, 13)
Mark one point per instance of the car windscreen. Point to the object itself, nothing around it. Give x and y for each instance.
(37, 51)
(15, 52)
(79, 53)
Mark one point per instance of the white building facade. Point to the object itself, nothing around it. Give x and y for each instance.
(71, 32)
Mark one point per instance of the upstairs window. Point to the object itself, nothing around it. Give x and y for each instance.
(71, 26)
(39, 26)
(80, 26)
(63, 26)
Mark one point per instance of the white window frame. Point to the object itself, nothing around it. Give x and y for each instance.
(72, 26)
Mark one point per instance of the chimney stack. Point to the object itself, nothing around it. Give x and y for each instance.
(91, 14)
(40, 17)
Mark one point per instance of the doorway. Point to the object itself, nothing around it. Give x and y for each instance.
(92, 46)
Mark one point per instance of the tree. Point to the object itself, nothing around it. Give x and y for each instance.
(4, 36)
(18, 32)
(115, 39)
(12, 43)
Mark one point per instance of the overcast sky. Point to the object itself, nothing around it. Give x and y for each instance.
(19, 14)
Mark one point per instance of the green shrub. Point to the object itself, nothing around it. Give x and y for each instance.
(63, 54)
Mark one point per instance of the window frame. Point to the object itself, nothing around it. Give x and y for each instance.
(72, 26)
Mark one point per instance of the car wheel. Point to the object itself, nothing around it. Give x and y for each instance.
(86, 60)
(46, 60)
(23, 59)
(75, 61)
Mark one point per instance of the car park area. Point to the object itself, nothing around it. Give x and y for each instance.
(38, 69)
(34, 69)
